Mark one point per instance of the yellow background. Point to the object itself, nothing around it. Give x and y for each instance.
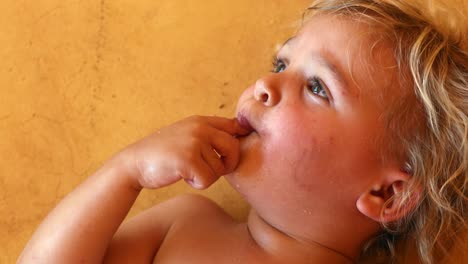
(80, 80)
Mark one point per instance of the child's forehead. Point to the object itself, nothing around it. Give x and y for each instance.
(337, 35)
(337, 27)
(362, 56)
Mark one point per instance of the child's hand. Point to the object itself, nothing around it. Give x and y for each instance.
(186, 150)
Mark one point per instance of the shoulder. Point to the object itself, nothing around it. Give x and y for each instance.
(185, 206)
(139, 238)
(198, 220)
(196, 210)
(179, 207)
(189, 204)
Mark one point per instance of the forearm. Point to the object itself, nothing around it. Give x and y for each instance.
(81, 227)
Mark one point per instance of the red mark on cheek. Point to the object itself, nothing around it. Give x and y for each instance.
(312, 167)
(303, 171)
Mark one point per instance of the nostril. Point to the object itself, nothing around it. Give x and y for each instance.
(263, 93)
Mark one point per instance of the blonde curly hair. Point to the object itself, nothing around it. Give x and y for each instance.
(434, 53)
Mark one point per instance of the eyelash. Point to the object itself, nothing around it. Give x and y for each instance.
(312, 83)
(277, 63)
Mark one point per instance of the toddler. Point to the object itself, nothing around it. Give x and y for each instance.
(357, 139)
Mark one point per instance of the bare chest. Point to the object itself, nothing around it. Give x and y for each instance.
(213, 242)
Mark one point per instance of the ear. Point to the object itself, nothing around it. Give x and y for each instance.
(383, 201)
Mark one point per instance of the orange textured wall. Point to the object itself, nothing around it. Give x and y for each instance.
(80, 80)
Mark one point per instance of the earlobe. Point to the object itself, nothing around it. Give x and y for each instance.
(385, 202)
(370, 205)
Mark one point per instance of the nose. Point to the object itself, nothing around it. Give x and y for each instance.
(265, 94)
(271, 89)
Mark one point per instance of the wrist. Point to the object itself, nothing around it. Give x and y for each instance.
(124, 163)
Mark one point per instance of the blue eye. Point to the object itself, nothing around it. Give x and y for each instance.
(278, 65)
(315, 86)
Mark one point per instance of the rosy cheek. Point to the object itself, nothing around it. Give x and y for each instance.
(303, 149)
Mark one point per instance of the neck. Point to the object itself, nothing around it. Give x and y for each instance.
(282, 245)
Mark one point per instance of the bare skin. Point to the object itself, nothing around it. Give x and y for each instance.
(302, 153)
(181, 230)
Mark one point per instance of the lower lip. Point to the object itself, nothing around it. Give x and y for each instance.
(244, 122)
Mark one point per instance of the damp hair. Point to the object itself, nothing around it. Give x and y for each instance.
(435, 58)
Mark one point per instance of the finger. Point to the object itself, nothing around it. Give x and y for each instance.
(213, 159)
(228, 147)
(228, 125)
(200, 175)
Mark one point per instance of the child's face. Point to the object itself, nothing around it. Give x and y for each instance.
(318, 122)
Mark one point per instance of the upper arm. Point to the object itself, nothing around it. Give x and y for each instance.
(138, 240)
